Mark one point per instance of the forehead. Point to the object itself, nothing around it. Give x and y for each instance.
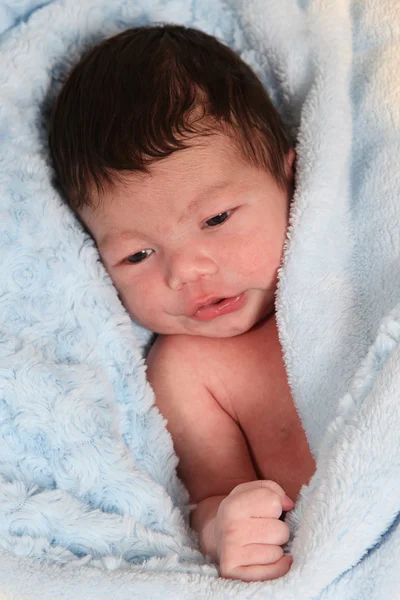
(208, 162)
(176, 185)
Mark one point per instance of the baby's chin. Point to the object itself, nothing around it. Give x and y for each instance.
(212, 329)
(218, 334)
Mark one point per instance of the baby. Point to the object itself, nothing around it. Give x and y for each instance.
(169, 150)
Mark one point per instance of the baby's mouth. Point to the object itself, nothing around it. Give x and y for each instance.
(218, 301)
(219, 307)
(206, 303)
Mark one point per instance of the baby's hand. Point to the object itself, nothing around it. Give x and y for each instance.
(249, 534)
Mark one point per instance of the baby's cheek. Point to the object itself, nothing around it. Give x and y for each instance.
(143, 299)
(262, 264)
(252, 258)
(129, 303)
(130, 296)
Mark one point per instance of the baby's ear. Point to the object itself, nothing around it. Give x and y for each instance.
(289, 164)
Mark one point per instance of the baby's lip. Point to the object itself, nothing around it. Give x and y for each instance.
(205, 301)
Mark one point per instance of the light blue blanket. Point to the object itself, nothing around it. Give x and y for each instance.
(90, 505)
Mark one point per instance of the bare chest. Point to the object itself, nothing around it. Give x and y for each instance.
(276, 440)
(255, 392)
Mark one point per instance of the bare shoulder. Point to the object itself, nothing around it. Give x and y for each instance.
(178, 369)
(174, 359)
(231, 369)
(181, 348)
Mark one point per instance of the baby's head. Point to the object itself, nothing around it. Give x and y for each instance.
(168, 148)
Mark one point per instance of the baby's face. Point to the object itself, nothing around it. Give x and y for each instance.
(194, 247)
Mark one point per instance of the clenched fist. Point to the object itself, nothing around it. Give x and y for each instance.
(249, 534)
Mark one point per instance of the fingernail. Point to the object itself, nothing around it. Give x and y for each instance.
(289, 500)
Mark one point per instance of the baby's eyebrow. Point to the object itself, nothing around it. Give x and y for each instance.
(212, 190)
(109, 238)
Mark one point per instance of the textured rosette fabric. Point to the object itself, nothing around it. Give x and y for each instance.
(90, 504)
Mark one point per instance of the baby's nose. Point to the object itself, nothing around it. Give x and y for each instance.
(188, 268)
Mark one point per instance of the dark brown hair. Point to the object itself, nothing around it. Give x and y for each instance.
(141, 95)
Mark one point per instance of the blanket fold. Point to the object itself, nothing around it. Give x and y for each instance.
(90, 503)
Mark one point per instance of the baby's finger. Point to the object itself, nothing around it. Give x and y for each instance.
(258, 483)
(259, 531)
(259, 502)
(251, 486)
(261, 572)
(258, 554)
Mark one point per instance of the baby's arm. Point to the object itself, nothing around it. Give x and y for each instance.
(237, 516)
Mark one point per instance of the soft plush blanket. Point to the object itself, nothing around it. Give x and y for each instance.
(90, 505)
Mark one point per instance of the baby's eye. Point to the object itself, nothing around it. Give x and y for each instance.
(139, 256)
(218, 219)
